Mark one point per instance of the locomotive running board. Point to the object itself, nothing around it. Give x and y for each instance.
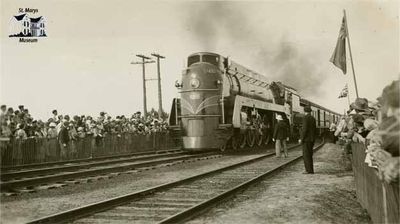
(224, 126)
(258, 104)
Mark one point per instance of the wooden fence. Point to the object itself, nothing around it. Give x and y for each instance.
(42, 150)
(379, 198)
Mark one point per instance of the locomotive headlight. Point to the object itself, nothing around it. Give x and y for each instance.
(194, 83)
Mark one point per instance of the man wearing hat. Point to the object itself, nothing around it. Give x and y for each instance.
(307, 137)
(281, 135)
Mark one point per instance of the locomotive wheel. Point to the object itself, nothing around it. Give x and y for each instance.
(242, 140)
(251, 137)
(256, 138)
(267, 137)
(234, 142)
(222, 148)
(260, 139)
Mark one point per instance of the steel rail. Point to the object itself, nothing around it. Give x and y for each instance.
(98, 171)
(5, 169)
(201, 207)
(83, 211)
(74, 167)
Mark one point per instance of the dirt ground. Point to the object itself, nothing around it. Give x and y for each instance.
(328, 196)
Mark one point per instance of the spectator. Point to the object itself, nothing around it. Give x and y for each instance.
(13, 127)
(52, 132)
(3, 114)
(97, 133)
(81, 132)
(21, 108)
(5, 137)
(60, 118)
(332, 130)
(26, 112)
(383, 138)
(42, 129)
(5, 131)
(390, 125)
(103, 125)
(17, 117)
(60, 123)
(63, 139)
(73, 135)
(102, 116)
(10, 111)
(20, 133)
(29, 127)
(55, 115)
(359, 125)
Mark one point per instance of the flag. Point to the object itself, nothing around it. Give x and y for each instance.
(339, 55)
(345, 92)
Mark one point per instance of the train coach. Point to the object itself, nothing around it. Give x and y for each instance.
(223, 104)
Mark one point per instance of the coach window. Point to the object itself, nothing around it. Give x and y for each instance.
(212, 59)
(193, 59)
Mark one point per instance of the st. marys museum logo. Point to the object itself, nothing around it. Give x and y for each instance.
(27, 26)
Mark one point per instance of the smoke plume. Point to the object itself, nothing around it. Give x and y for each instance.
(230, 28)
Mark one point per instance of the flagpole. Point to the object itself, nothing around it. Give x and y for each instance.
(351, 57)
(348, 96)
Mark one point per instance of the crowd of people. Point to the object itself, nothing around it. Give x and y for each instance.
(377, 126)
(64, 135)
(19, 124)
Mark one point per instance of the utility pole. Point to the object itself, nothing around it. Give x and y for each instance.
(160, 110)
(143, 62)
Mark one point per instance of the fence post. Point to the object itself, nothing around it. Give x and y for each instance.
(154, 140)
(93, 148)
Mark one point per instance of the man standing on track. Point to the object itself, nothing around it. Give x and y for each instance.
(308, 138)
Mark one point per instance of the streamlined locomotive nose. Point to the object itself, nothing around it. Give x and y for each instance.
(200, 105)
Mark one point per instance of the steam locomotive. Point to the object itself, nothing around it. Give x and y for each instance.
(224, 105)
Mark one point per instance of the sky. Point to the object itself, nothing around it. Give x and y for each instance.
(84, 64)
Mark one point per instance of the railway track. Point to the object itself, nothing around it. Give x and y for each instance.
(30, 179)
(77, 161)
(50, 168)
(180, 200)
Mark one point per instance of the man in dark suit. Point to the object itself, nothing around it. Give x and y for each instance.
(308, 135)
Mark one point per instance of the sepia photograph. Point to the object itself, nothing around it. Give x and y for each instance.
(174, 111)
